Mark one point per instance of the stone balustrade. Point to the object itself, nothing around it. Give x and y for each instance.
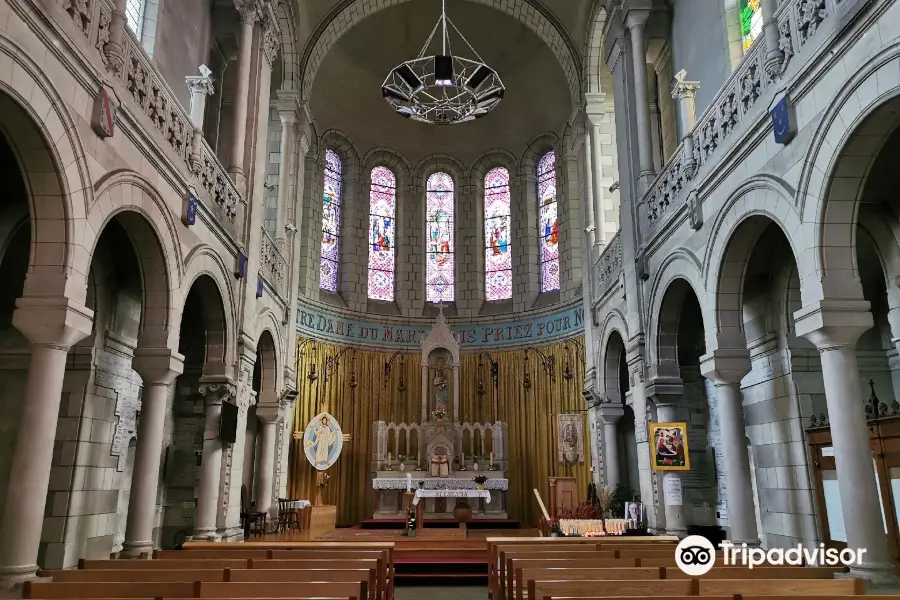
(608, 268)
(273, 264)
(743, 102)
(142, 89)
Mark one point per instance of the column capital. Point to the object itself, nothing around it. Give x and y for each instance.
(665, 391)
(217, 390)
(269, 414)
(250, 11)
(725, 366)
(831, 324)
(271, 38)
(610, 413)
(637, 12)
(683, 89)
(157, 366)
(201, 84)
(595, 107)
(57, 321)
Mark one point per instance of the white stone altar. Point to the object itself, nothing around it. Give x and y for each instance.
(443, 451)
(480, 494)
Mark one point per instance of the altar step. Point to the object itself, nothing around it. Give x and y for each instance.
(441, 523)
(449, 565)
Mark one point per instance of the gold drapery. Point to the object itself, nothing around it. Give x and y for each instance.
(529, 413)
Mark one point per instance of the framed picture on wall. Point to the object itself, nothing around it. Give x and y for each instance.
(634, 514)
(669, 447)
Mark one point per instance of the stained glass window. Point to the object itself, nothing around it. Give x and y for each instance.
(497, 233)
(549, 229)
(331, 222)
(751, 21)
(382, 233)
(134, 13)
(439, 238)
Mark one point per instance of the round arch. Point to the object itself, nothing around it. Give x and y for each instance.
(267, 358)
(206, 288)
(290, 54)
(844, 145)
(593, 50)
(532, 13)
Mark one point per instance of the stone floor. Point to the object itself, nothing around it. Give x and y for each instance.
(441, 593)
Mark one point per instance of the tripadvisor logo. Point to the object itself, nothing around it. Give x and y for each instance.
(695, 556)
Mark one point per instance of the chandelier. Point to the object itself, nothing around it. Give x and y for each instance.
(443, 89)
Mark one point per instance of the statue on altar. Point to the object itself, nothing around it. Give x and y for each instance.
(441, 390)
(440, 464)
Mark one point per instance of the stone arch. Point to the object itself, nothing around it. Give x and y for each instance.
(43, 136)
(532, 13)
(435, 163)
(497, 157)
(883, 228)
(290, 52)
(846, 141)
(385, 157)
(665, 307)
(613, 354)
(342, 145)
(744, 216)
(538, 147)
(593, 50)
(204, 277)
(267, 359)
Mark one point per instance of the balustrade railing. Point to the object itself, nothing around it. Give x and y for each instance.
(273, 265)
(149, 93)
(608, 268)
(732, 112)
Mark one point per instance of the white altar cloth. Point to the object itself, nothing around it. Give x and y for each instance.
(439, 483)
(483, 494)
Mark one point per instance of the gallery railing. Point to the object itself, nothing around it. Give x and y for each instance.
(273, 264)
(608, 268)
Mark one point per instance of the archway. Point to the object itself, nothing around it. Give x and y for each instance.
(619, 426)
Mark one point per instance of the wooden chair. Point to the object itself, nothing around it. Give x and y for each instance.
(288, 518)
(251, 521)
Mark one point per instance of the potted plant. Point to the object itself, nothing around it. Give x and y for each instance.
(553, 525)
(439, 415)
(479, 481)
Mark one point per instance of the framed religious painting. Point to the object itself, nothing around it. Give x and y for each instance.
(669, 447)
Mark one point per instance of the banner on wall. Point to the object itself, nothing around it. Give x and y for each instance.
(342, 330)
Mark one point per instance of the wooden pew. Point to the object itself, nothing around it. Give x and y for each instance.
(502, 578)
(152, 565)
(366, 577)
(160, 574)
(695, 587)
(123, 589)
(495, 581)
(531, 561)
(323, 589)
(212, 553)
(735, 597)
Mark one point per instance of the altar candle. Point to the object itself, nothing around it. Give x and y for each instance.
(389, 458)
(408, 482)
(492, 459)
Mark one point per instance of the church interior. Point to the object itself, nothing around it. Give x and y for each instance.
(507, 299)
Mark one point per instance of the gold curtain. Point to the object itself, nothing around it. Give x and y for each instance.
(529, 413)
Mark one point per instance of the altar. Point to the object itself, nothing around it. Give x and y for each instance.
(442, 452)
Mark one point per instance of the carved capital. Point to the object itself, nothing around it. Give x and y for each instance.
(251, 11)
(682, 89)
(217, 390)
(271, 40)
(201, 84)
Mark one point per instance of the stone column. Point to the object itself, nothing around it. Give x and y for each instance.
(834, 327)
(726, 368)
(52, 326)
(201, 86)
(610, 415)
(288, 117)
(250, 12)
(635, 21)
(774, 53)
(215, 391)
(158, 367)
(683, 93)
(265, 459)
(665, 393)
(114, 50)
(595, 108)
(590, 226)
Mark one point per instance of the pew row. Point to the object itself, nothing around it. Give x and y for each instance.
(196, 589)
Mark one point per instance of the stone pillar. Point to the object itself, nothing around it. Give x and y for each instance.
(595, 108)
(610, 415)
(158, 367)
(114, 50)
(665, 393)
(834, 327)
(774, 54)
(588, 184)
(215, 391)
(726, 368)
(683, 93)
(269, 417)
(635, 21)
(288, 121)
(201, 86)
(52, 326)
(250, 12)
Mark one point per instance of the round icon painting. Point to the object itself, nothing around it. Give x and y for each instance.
(322, 441)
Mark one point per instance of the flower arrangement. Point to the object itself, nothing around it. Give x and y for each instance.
(553, 525)
(323, 481)
(439, 415)
(479, 481)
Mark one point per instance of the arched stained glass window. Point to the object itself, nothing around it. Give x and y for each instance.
(134, 14)
(382, 233)
(497, 233)
(331, 222)
(439, 250)
(549, 229)
(751, 21)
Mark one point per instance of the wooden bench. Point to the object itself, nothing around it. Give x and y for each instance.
(151, 565)
(286, 589)
(160, 574)
(695, 587)
(204, 553)
(366, 577)
(500, 577)
(123, 589)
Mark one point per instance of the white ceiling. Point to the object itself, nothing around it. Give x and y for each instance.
(346, 94)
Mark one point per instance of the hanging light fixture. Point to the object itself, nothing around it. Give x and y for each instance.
(443, 89)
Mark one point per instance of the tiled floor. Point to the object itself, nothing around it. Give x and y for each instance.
(441, 593)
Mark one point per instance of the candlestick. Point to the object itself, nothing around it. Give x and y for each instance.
(389, 458)
(408, 482)
(492, 459)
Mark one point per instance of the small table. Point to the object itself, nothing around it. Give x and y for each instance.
(420, 511)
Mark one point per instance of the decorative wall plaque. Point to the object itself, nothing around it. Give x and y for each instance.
(103, 118)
